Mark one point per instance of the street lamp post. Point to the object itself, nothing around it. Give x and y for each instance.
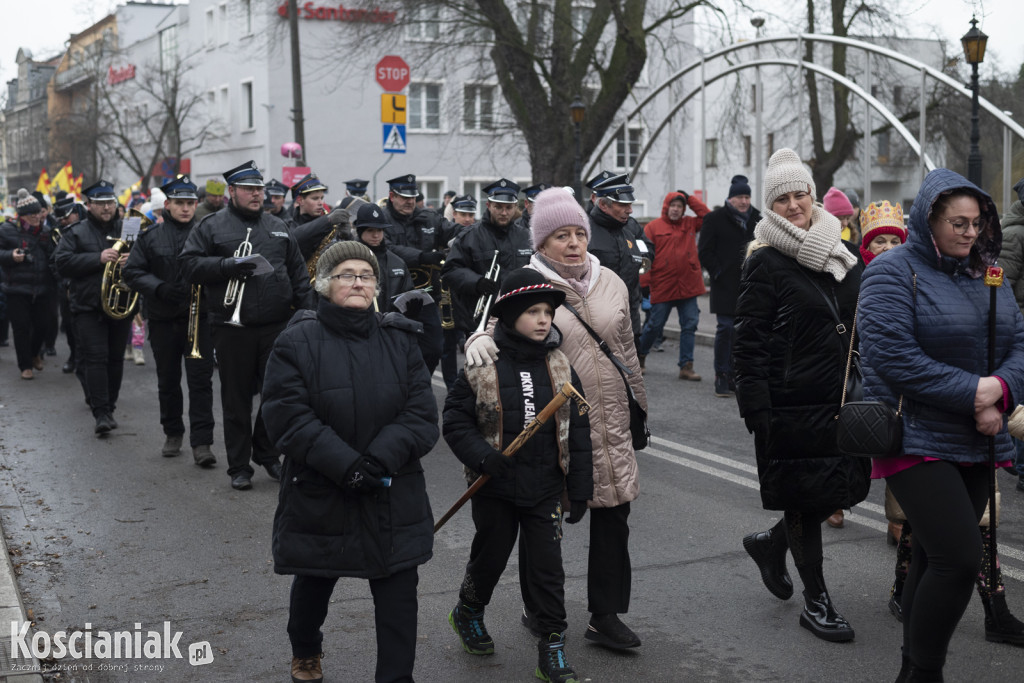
(577, 110)
(974, 42)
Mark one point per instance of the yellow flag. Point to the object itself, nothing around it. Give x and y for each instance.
(64, 179)
(76, 187)
(44, 183)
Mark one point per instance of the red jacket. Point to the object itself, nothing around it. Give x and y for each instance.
(676, 272)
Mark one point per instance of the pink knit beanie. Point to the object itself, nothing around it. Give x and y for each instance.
(555, 208)
(837, 204)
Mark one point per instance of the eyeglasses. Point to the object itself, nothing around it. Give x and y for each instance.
(960, 225)
(350, 278)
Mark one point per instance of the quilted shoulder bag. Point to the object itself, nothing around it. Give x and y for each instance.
(868, 429)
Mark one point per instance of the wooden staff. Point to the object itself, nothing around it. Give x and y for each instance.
(994, 280)
(564, 394)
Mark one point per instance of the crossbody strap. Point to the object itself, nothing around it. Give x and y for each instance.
(601, 343)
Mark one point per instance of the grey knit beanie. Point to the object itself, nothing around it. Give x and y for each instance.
(339, 252)
(786, 173)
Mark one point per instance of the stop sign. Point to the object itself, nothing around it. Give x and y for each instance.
(392, 73)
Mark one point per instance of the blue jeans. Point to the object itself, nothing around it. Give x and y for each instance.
(689, 314)
(724, 332)
(1018, 462)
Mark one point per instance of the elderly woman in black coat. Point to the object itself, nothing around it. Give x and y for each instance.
(797, 299)
(348, 400)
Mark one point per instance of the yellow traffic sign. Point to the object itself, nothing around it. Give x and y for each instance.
(392, 108)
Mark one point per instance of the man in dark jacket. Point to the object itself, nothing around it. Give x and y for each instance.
(473, 252)
(262, 303)
(83, 253)
(618, 241)
(67, 212)
(275, 192)
(722, 246)
(370, 225)
(419, 237)
(309, 221)
(28, 282)
(529, 195)
(154, 272)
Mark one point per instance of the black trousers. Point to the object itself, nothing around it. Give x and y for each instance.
(394, 610)
(609, 572)
(242, 354)
(67, 322)
(53, 323)
(450, 357)
(542, 578)
(431, 342)
(944, 502)
(100, 342)
(169, 339)
(31, 318)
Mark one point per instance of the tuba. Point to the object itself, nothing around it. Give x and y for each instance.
(311, 263)
(117, 299)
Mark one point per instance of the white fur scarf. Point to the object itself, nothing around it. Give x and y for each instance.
(820, 248)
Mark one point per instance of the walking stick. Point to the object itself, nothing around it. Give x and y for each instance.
(994, 280)
(564, 394)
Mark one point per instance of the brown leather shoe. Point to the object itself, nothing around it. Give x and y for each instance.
(37, 362)
(686, 372)
(27, 374)
(892, 535)
(836, 520)
(307, 669)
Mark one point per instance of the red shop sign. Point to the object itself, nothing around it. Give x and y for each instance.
(310, 10)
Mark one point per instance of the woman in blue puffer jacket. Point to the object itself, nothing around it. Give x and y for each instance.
(924, 336)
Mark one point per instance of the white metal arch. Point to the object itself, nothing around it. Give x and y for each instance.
(926, 70)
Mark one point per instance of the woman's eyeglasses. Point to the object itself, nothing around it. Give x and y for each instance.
(960, 225)
(350, 278)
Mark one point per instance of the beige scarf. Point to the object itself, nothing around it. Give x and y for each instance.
(819, 248)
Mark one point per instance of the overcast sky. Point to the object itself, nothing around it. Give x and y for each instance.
(45, 32)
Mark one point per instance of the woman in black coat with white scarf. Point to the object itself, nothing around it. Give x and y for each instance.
(798, 294)
(347, 399)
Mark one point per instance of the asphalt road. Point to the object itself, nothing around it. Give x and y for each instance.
(108, 533)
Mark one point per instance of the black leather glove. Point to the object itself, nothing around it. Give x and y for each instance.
(365, 474)
(577, 508)
(686, 196)
(758, 422)
(413, 309)
(431, 258)
(497, 466)
(233, 270)
(173, 294)
(485, 286)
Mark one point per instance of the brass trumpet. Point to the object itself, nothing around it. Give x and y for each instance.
(193, 322)
(236, 288)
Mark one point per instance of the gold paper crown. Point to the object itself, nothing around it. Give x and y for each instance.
(215, 187)
(881, 214)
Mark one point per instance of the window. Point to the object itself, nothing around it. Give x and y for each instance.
(753, 97)
(424, 23)
(628, 144)
(748, 148)
(424, 106)
(581, 17)
(168, 48)
(225, 108)
(248, 118)
(883, 147)
(246, 17)
(211, 29)
(222, 17)
(478, 107)
(432, 191)
(711, 152)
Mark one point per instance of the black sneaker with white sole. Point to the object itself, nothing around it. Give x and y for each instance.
(608, 630)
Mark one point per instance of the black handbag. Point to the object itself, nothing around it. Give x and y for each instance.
(868, 429)
(638, 429)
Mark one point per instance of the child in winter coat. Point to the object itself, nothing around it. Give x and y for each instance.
(484, 412)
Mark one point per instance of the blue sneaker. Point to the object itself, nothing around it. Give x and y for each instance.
(552, 664)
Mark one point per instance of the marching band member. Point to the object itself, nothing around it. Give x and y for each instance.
(309, 221)
(153, 270)
(262, 304)
(83, 253)
(276, 191)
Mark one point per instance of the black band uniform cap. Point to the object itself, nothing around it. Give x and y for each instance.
(503, 191)
(404, 186)
(246, 174)
(310, 183)
(616, 188)
(100, 191)
(464, 204)
(180, 188)
(357, 186)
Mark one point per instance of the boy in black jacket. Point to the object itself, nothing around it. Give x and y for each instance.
(484, 412)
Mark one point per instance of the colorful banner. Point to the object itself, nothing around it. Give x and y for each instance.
(63, 180)
(44, 182)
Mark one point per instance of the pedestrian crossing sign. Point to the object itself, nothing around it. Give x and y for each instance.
(394, 138)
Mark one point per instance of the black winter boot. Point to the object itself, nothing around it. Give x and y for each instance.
(821, 618)
(916, 674)
(1000, 625)
(468, 623)
(768, 550)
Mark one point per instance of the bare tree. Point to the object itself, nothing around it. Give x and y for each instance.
(544, 54)
(156, 119)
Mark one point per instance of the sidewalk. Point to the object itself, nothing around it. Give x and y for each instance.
(705, 327)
